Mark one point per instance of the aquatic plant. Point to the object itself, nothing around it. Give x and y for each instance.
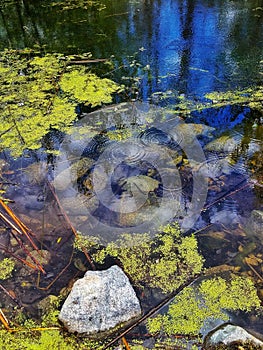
(7, 266)
(166, 261)
(40, 93)
(193, 306)
(44, 340)
(88, 242)
(251, 97)
(45, 335)
(76, 4)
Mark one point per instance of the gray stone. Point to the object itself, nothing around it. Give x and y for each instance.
(188, 132)
(100, 301)
(226, 217)
(231, 333)
(254, 225)
(225, 143)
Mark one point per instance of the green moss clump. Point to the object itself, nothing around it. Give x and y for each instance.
(165, 262)
(250, 97)
(6, 268)
(44, 340)
(34, 336)
(87, 242)
(189, 310)
(86, 87)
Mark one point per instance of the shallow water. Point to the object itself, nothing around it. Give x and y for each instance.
(166, 51)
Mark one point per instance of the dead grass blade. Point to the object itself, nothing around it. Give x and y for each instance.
(25, 230)
(127, 347)
(4, 320)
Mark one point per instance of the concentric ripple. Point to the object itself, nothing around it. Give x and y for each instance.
(132, 185)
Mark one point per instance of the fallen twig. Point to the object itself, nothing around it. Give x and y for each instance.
(4, 320)
(150, 313)
(127, 347)
(20, 224)
(18, 257)
(20, 330)
(10, 295)
(254, 270)
(57, 277)
(227, 194)
(96, 60)
(84, 250)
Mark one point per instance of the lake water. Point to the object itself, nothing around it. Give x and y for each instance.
(167, 51)
(190, 47)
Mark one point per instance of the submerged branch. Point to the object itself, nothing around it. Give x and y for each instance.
(96, 60)
(84, 250)
(151, 312)
(22, 230)
(10, 295)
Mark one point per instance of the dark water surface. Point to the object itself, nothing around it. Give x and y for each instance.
(190, 46)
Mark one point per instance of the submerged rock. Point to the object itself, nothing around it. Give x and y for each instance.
(229, 334)
(188, 132)
(69, 176)
(225, 143)
(100, 301)
(226, 217)
(254, 226)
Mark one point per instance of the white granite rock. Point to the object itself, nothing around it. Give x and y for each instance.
(100, 301)
(231, 333)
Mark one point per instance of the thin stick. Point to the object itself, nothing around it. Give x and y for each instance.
(4, 218)
(228, 194)
(127, 347)
(20, 224)
(117, 14)
(57, 277)
(10, 212)
(21, 231)
(18, 258)
(96, 60)
(12, 330)
(10, 296)
(84, 250)
(150, 313)
(62, 210)
(254, 270)
(28, 253)
(4, 320)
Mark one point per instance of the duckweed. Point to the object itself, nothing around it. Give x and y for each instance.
(166, 261)
(192, 307)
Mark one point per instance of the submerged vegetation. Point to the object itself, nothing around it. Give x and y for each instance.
(33, 337)
(40, 93)
(7, 266)
(76, 4)
(251, 97)
(166, 262)
(192, 307)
